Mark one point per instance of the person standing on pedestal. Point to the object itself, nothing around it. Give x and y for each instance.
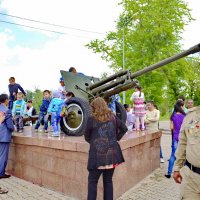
(6, 129)
(138, 107)
(62, 89)
(43, 116)
(54, 110)
(13, 90)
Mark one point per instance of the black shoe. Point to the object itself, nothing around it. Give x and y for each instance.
(5, 176)
(167, 176)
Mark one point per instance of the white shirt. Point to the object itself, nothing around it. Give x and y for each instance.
(61, 90)
(130, 119)
(137, 95)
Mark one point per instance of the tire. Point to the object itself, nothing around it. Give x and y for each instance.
(75, 122)
(121, 112)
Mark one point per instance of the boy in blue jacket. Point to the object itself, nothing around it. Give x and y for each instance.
(18, 111)
(6, 129)
(43, 116)
(54, 110)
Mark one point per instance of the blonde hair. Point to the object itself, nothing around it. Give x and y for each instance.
(100, 110)
(20, 94)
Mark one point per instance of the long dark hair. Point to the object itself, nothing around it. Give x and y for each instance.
(139, 88)
(178, 108)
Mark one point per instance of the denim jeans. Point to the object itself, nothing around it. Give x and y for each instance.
(55, 123)
(161, 155)
(10, 104)
(18, 119)
(172, 157)
(41, 117)
(93, 178)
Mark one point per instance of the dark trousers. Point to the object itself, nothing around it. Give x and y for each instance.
(10, 105)
(42, 117)
(93, 178)
(19, 122)
(4, 149)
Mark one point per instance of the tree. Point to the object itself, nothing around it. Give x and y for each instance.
(152, 31)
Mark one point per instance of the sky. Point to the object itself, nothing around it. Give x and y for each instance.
(35, 57)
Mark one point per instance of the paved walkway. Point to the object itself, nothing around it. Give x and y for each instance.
(153, 187)
(156, 186)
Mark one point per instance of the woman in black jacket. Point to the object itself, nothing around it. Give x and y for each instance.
(103, 131)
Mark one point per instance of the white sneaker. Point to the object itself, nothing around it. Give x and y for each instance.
(162, 160)
(55, 134)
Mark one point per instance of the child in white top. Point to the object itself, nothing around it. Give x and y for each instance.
(130, 122)
(62, 89)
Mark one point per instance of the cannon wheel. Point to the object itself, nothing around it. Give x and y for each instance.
(75, 122)
(121, 112)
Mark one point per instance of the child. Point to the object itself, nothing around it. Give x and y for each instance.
(112, 103)
(69, 95)
(139, 107)
(54, 110)
(13, 89)
(130, 122)
(62, 89)
(63, 111)
(18, 111)
(30, 110)
(6, 129)
(30, 114)
(43, 111)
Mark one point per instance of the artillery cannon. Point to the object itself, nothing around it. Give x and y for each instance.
(86, 88)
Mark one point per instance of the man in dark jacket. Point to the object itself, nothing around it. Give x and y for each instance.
(6, 129)
(13, 90)
(43, 115)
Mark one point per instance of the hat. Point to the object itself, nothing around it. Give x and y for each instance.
(61, 79)
(56, 94)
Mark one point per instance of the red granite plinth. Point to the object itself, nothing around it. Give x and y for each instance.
(61, 163)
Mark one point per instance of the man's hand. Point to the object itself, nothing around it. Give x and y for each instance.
(177, 177)
(2, 117)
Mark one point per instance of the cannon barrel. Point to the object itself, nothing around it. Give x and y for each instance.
(115, 85)
(191, 50)
(107, 86)
(119, 89)
(110, 78)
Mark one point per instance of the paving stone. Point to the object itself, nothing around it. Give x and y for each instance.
(153, 187)
(156, 186)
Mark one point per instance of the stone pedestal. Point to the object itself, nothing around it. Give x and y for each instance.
(61, 163)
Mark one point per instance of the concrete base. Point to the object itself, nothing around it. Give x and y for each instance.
(61, 163)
